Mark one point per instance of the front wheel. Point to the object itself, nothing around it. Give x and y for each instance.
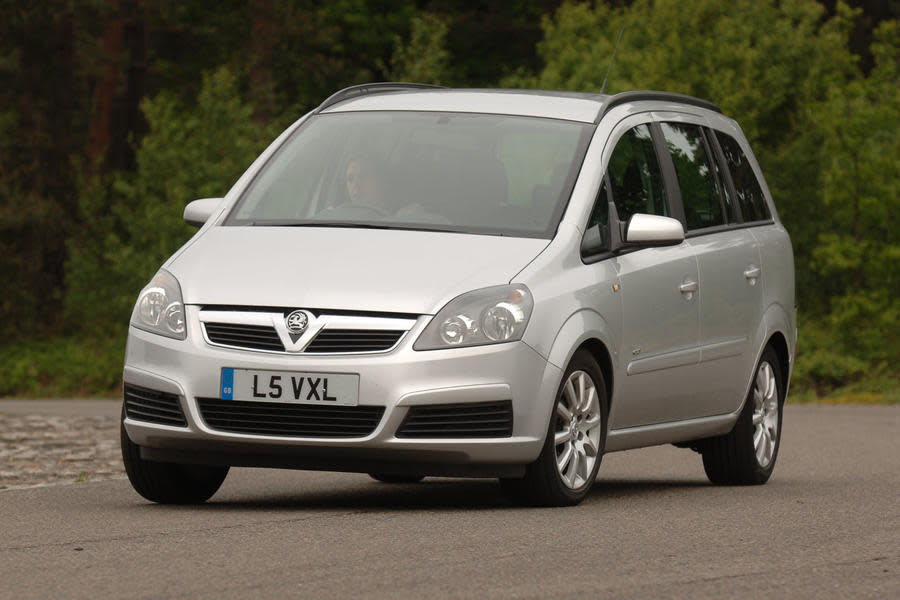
(746, 455)
(567, 466)
(168, 483)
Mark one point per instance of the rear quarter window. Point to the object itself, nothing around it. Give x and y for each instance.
(746, 185)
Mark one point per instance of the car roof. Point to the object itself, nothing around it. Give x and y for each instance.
(571, 106)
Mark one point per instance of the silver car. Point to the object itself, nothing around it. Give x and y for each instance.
(416, 281)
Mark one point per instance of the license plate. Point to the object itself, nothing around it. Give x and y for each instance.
(333, 389)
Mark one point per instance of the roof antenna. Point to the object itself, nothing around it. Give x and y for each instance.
(609, 68)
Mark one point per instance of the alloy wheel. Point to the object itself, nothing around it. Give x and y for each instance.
(765, 414)
(578, 429)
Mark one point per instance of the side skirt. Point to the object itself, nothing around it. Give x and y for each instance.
(669, 433)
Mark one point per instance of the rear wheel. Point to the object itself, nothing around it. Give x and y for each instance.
(746, 455)
(567, 466)
(168, 483)
(383, 478)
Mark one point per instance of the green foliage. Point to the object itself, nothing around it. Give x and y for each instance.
(25, 218)
(822, 362)
(827, 138)
(63, 367)
(826, 135)
(133, 223)
(425, 58)
(189, 152)
(826, 370)
(182, 158)
(859, 252)
(763, 62)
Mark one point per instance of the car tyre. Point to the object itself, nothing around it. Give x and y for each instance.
(168, 483)
(747, 454)
(573, 448)
(384, 478)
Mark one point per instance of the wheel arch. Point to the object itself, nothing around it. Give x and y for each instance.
(600, 353)
(588, 330)
(779, 344)
(774, 330)
(779, 332)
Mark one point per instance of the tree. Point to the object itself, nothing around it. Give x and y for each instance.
(858, 252)
(826, 137)
(189, 152)
(425, 58)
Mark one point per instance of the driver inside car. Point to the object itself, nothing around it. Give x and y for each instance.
(366, 192)
(365, 185)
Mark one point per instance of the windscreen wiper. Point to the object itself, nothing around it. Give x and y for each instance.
(351, 225)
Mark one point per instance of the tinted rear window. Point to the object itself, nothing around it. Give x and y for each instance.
(746, 186)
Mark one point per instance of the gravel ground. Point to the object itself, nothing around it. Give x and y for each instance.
(48, 442)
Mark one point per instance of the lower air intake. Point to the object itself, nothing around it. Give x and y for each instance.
(472, 420)
(290, 420)
(143, 404)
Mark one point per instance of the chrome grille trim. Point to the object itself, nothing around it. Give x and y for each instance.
(326, 334)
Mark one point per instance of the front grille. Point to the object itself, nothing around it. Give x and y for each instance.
(290, 420)
(474, 420)
(263, 337)
(354, 340)
(256, 337)
(142, 404)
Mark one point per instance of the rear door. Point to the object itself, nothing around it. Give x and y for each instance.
(729, 294)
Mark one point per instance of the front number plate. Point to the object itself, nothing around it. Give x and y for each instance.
(332, 389)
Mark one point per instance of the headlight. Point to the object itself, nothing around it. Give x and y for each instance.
(488, 316)
(159, 308)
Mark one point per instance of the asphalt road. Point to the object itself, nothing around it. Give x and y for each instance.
(826, 525)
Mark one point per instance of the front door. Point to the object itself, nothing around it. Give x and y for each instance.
(660, 311)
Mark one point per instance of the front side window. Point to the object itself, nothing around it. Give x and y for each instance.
(599, 214)
(600, 217)
(637, 182)
(696, 177)
(746, 186)
(463, 172)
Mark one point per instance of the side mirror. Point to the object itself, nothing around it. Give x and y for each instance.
(198, 212)
(653, 230)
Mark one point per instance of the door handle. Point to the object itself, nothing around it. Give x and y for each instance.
(688, 287)
(752, 272)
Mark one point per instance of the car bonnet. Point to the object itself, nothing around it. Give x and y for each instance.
(344, 268)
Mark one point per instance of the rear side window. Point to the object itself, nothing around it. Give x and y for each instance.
(696, 176)
(637, 182)
(746, 186)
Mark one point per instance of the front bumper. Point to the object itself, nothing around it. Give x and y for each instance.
(396, 380)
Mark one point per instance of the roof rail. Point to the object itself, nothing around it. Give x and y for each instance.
(373, 88)
(637, 96)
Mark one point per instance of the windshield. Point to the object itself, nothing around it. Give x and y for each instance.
(473, 173)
